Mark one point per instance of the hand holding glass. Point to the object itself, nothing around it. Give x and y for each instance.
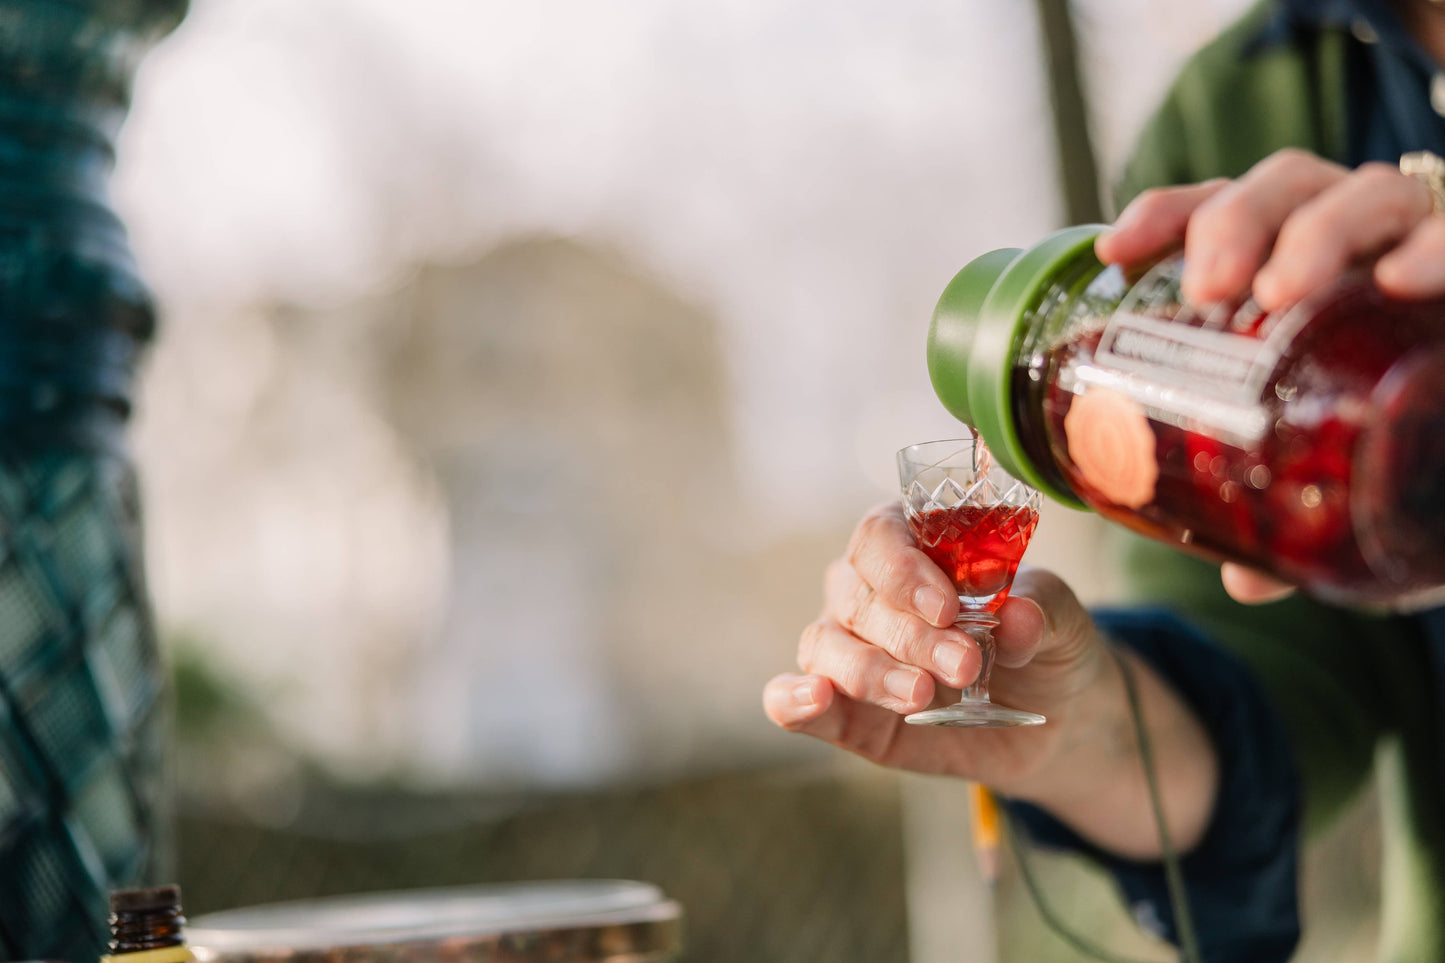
(974, 520)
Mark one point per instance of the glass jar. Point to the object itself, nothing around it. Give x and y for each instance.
(552, 921)
(1308, 442)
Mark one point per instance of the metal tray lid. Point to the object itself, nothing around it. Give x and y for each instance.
(577, 921)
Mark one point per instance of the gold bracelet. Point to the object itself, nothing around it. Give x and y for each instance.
(1428, 169)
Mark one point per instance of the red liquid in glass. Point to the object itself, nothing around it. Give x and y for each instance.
(977, 548)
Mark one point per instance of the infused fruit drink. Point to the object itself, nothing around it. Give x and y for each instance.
(974, 520)
(1335, 450)
(977, 548)
(1308, 442)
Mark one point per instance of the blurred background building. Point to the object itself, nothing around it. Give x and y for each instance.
(522, 365)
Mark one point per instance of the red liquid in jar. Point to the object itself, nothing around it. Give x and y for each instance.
(1320, 499)
(977, 548)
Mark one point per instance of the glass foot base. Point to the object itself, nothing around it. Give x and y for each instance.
(974, 715)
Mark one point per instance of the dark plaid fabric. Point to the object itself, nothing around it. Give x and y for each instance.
(81, 712)
(80, 707)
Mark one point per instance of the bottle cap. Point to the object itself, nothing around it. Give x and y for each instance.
(974, 336)
(140, 900)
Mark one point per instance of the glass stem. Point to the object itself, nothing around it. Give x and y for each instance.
(979, 626)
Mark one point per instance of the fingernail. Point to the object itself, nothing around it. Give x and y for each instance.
(1199, 271)
(1126, 219)
(1266, 288)
(948, 658)
(929, 602)
(803, 694)
(901, 684)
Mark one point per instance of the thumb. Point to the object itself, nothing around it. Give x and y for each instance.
(1042, 618)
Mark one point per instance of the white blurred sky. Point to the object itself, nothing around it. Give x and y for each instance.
(812, 172)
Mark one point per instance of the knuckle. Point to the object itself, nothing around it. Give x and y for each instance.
(866, 534)
(1287, 161)
(854, 672)
(894, 569)
(1306, 227)
(836, 578)
(1153, 201)
(1229, 212)
(1416, 206)
(904, 572)
(809, 643)
(1400, 217)
(1376, 173)
(862, 605)
(905, 638)
(1393, 196)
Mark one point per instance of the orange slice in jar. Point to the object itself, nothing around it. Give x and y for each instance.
(1112, 446)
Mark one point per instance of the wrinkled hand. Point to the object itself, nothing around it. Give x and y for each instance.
(1289, 226)
(885, 646)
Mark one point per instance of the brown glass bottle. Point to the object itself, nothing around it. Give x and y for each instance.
(147, 919)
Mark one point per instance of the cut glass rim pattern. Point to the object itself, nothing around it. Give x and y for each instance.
(965, 474)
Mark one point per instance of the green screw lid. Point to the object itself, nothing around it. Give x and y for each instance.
(950, 336)
(974, 334)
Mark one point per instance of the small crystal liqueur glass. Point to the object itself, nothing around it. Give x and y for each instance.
(974, 520)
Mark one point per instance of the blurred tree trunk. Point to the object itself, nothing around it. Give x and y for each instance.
(1078, 167)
